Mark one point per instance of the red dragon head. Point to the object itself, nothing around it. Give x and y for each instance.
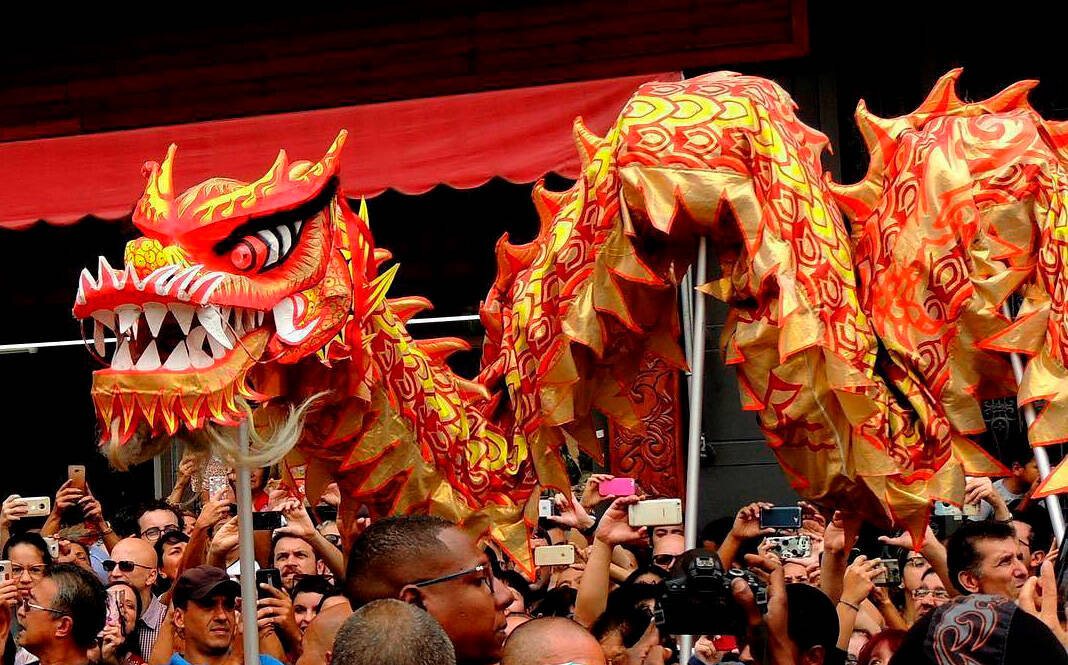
(228, 275)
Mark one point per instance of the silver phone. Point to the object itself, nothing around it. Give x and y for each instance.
(655, 512)
(38, 506)
(554, 555)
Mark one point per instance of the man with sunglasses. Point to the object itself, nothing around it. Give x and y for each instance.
(62, 614)
(134, 561)
(430, 563)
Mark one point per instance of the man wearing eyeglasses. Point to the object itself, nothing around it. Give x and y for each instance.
(930, 594)
(62, 615)
(156, 518)
(428, 562)
(134, 561)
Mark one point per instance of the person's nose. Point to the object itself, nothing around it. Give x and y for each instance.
(502, 597)
(1019, 570)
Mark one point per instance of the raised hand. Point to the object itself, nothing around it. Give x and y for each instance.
(591, 492)
(225, 540)
(857, 583)
(841, 534)
(13, 509)
(614, 527)
(1038, 597)
(572, 514)
(747, 522)
(298, 522)
(216, 510)
(67, 496)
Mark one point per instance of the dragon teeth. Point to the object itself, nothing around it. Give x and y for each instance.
(155, 313)
(195, 346)
(122, 358)
(212, 321)
(98, 338)
(183, 314)
(179, 358)
(106, 317)
(149, 359)
(128, 315)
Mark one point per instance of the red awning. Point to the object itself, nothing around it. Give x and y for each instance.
(410, 146)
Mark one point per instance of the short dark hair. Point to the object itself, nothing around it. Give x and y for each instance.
(1036, 517)
(32, 539)
(370, 636)
(1017, 452)
(645, 570)
(518, 583)
(961, 549)
(155, 504)
(624, 617)
(382, 547)
(313, 584)
(811, 617)
(81, 595)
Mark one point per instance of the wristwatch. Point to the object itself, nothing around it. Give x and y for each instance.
(107, 528)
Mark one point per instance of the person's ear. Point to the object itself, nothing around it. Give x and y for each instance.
(412, 595)
(320, 567)
(328, 655)
(151, 577)
(179, 618)
(968, 581)
(64, 626)
(1037, 558)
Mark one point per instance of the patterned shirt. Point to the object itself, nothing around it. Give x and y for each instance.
(148, 626)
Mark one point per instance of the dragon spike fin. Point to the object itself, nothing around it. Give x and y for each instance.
(942, 98)
(363, 213)
(1011, 98)
(163, 179)
(548, 204)
(382, 255)
(586, 142)
(406, 307)
(330, 159)
(440, 348)
(279, 168)
(377, 289)
(858, 200)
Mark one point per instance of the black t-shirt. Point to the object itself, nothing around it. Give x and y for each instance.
(1029, 642)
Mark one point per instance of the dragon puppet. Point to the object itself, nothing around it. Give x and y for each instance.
(863, 356)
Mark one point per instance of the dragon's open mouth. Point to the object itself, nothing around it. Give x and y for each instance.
(175, 337)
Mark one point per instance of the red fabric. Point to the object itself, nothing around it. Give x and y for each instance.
(411, 146)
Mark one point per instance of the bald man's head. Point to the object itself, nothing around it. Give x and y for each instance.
(392, 632)
(319, 637)
(134, 561)
(552, 640)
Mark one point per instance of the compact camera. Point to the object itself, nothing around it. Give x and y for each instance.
(791, 547)
(697, 599)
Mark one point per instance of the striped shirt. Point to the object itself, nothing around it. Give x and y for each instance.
(148, 626)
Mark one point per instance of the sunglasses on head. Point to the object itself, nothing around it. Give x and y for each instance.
(124, 566)
(664, 560)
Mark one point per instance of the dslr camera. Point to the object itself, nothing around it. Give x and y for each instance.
(697, 600)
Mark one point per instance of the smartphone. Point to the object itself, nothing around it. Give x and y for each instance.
(891, 575)
(268, 521)
(791, 547)
(617, 487)
(326, 513)
(53, 546)
(76, 475)
(5, 570)
(217, 484)
(39, 506)
(942, 508)
(655, 512)
(780, 517)
(546, 508)
(114, 612)
(269, 576)
(554, 555)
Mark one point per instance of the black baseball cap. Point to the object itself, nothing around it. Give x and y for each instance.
(169, 538)
(204, 582)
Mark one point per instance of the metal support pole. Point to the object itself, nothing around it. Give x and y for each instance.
(250, 637)
(693, 441)
(686, 294)
(1053, 502)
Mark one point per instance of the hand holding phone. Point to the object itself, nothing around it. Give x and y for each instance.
(271, 577)
(780, 517)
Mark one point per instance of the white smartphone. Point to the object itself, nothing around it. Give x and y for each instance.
(38, 506)
(546, 507)
(53, 546)
(554, 555)
(5, 570)
(655, 512)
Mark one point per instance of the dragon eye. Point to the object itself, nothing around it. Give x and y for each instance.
(266, 248)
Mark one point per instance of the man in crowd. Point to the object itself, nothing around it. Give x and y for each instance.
(667, 549)
(552, 640)
(62, 615)
(370, 637)
(429, 562)
(929, 594)
(133, 560)
(298, 549)
(154, 518)
(982, 558)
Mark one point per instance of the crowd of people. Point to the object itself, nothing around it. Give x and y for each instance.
(155, 583)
